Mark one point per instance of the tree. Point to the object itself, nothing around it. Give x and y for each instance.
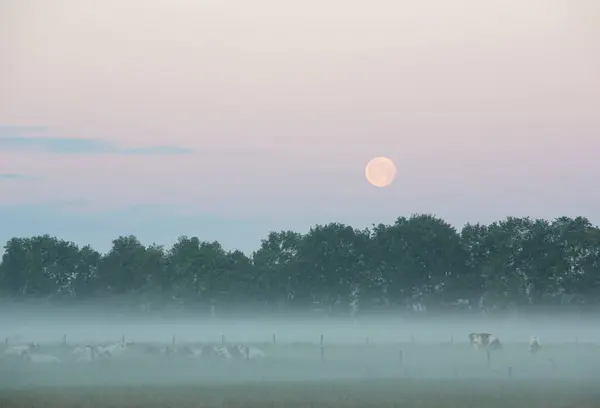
(331, 259)
(417, 263)
(276, 270)
(123, 270)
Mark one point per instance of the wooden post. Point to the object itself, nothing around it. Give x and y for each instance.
(489, 358)
(322, 348)
(274, 339)
(401, 356)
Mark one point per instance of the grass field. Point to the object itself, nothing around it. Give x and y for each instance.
(418, 393)
(294, 375)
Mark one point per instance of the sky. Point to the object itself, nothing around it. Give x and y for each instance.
(226, 119)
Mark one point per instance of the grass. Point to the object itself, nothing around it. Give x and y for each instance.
(332, 394)
(430, 376)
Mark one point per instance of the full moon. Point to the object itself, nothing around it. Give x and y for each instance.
(380, 171)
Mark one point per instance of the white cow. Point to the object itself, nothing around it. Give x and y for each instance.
(484, 341)
(38, 358)
(18, 349)
(114, 349)
(88, 353)
(535, 345)
(246, 352)
(222, 353)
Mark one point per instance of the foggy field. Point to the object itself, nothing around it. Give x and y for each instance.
(334, 394)
(302, 362)
(374, 364)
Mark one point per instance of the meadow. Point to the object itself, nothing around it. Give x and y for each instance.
(304, 374)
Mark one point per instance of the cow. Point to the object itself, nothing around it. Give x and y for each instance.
(227, 353)
(38, 358)
(18, 349)
(534, 345)
(484, 341)
(207, 352)
(113, 349)
(89, 353)
(246, 352)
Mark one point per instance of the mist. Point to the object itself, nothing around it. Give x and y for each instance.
(295, 348)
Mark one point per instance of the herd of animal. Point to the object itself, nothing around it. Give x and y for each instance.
(87, 353)
(489, 342)
(30, 352)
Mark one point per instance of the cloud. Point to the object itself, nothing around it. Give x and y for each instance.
(14, 138)
(16, 176)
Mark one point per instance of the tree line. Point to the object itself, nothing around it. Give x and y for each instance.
(418, 263)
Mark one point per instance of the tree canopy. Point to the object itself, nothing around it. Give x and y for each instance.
(420, 263)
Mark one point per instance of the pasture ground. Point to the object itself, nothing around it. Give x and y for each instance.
(418, 393)
(293, 375)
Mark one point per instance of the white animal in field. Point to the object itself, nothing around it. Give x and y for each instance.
(227, 353)
(242, 351)
(205, 352)
(484, 341)
(223, 353)
(114, 349)
(535, 345)
(18, 349)
(194, 352)
(88, 353)
(39, 358)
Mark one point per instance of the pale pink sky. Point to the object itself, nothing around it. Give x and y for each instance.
(489, 108)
